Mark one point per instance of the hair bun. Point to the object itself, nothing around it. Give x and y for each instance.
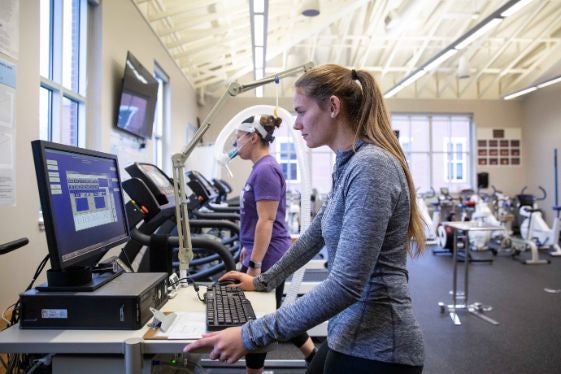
(269, 120)
(277, 121)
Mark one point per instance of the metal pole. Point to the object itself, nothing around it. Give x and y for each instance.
(133, 355)
(555, 181)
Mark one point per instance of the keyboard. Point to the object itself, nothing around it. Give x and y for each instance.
(226, 307)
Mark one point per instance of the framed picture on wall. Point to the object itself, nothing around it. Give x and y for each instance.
(498, 133)
(499, 146)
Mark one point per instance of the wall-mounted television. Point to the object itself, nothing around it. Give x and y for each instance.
(137, 102)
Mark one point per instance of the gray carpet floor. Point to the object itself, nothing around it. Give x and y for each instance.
(528, 338)
(526, 341)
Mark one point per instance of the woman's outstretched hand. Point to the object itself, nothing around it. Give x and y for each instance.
(243, 280)
(226, 345)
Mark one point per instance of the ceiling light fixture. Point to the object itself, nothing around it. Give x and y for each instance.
(463, 41)
(482, 30)
(310, 8)
(440, 59)
(533, 88)
(549, 82)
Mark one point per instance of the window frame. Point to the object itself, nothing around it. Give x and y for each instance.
(468, 144)
(290, 162)
(74, 133)
(160, 134)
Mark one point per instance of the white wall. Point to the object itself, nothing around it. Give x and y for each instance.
(17, 268)
(541, 132)
(122, 29)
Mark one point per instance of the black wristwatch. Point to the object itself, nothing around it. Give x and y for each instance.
(254, 265)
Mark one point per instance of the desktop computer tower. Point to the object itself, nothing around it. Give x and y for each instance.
(122, 304)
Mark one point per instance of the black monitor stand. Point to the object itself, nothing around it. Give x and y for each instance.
(78, 279)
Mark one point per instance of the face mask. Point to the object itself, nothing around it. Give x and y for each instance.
(232, 153)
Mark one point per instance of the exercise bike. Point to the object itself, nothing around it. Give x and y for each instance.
(527, 213)
(461, 211)
(536, 229)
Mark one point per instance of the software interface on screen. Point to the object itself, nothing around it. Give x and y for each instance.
(85, 201)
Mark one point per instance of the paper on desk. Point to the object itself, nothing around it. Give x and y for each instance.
(187, 325)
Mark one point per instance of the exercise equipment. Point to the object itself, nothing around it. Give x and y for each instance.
(556, 250)
(528, 213)
(151, 218)
(430, 231)
(451, 212)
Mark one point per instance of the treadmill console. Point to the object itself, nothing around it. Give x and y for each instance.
(155, 179)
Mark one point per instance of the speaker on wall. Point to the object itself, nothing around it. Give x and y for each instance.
(483, 180)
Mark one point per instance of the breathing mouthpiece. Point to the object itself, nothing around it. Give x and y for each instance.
(224, 160)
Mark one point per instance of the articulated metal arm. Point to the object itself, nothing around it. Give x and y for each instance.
(179, 159)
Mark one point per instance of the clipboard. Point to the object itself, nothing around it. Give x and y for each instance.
(185, 326)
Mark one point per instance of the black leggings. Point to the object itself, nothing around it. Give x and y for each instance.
(328, 361)
(257, 360)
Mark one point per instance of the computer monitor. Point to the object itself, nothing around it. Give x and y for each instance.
(83, 212)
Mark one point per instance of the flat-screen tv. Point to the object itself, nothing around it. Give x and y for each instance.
(137, 103)
(83, 209)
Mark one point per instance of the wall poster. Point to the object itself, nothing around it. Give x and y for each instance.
(7, 133)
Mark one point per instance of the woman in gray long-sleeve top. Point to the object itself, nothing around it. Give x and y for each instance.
(367, 225)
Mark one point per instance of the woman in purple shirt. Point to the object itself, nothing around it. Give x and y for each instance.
(263, 232)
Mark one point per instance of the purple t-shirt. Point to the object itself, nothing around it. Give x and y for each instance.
(266, 182)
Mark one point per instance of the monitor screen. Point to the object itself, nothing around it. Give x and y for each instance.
(82, 203)
(155, 179)
(137, 103)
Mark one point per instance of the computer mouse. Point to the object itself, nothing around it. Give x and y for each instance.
(227, 282)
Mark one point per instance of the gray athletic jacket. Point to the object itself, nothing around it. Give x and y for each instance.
(365, 296)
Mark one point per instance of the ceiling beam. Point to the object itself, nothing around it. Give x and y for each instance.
(185, 7)
(538, 67)
(377, 19)
(499, 52)
(546, 30)
(332, 15)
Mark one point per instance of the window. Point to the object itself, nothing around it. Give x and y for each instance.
(63, 70)
(286, 156)
(160, 120)
(438, 149)
(455, 161)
